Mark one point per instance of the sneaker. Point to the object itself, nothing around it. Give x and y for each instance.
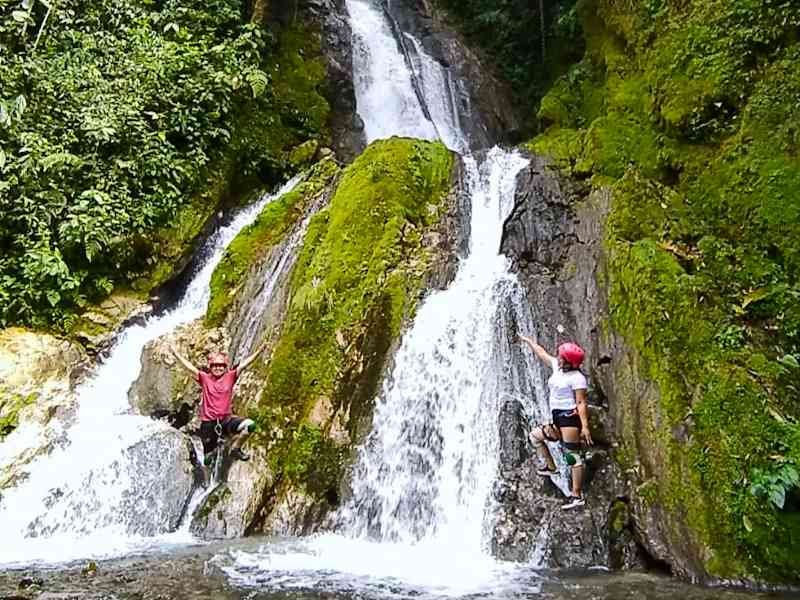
(574, 502)
(240, 454)
(545, 472)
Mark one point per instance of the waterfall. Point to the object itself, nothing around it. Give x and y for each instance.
(426, 469)
(420, 512)
(101, 490)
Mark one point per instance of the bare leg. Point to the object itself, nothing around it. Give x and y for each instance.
(241, 435)
(239, 439)
(541, 448)
(572, 435)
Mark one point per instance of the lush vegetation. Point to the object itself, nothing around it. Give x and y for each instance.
(358, 276)
(269, 228)
(531, 42)
(690, 112)
(116, 119)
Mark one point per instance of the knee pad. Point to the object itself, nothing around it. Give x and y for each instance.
(572, 454)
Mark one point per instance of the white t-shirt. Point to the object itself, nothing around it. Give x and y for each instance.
(562, 386)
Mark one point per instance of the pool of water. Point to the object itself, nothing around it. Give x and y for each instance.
(314, 569)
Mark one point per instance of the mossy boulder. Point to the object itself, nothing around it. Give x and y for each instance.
(357, 280)
(687, 113)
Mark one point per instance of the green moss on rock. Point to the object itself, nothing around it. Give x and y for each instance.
(358, 276)
(10, 406)
(270, 227)
(689, 112)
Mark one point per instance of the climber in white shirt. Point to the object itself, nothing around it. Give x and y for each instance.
(570, 426)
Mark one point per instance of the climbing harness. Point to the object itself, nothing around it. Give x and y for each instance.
(218, 431)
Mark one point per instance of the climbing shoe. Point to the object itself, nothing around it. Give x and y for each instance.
(240, 454)
(574, 502)
(545, 472)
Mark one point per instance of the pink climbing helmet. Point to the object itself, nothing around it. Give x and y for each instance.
(571, 353)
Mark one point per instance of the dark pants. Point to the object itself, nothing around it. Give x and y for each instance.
(212, 431)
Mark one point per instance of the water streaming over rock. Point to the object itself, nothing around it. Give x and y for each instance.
(420, 511)
(428, 465)
(110, 481)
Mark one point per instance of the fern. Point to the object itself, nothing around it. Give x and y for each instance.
(258, 81)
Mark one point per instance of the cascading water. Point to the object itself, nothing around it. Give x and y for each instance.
(102, 490)
(420, 510)
(427, 467)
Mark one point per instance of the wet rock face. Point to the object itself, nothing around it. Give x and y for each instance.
(347, 128)
(484, 104)
(532, 525)
(144, 490)
(553, 237)
(229, 509)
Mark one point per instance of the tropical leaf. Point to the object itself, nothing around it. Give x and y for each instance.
(258, 81)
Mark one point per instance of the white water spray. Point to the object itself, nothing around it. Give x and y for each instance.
(93, 494)
(428, 465)
(418, 521)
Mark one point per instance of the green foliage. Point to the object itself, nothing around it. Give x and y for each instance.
(313, 460)
(689, 112)
(269, 228)
(110, 126)
(774, 484)
(10, 406)
(511, 32)
(357, 277)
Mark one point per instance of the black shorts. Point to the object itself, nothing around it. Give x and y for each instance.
(567, 418)
(209, 435)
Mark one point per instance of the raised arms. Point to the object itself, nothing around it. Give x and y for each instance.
(538, 350)
(249, 360)
(183, 362)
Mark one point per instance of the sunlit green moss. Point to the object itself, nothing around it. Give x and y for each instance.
(270, 227)
(697, 136)
(10, 406)
(357, 278)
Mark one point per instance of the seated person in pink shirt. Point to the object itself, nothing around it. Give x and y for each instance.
(216, 407)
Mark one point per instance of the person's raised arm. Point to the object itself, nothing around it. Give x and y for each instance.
(249, 360)
(583, 413)
(183, 362)
(538, 350)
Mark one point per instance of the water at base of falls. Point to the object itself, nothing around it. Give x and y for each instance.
(99, 488)
(332, 563)
(208, 573)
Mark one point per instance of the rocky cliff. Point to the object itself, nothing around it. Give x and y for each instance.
(554, 238)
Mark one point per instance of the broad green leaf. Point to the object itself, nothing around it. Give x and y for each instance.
(20, 104)
(53, 297)
(777, 495)
(789, 360)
